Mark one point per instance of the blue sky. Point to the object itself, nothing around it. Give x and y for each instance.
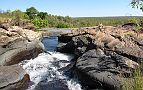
(75, 8)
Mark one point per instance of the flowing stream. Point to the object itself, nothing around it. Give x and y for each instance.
(51, 70)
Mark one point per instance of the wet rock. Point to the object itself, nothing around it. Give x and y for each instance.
(13, 78)
(66, 47)
(78, 45)
(64, 38)
(52, 85)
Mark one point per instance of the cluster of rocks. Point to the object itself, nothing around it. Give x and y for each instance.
(16, 44)
(103, 58)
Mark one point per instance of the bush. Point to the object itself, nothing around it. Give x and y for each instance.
(39, 23)
(137, 28)
(62, 25)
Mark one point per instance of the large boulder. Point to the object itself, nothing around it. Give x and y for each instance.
(77, 45)
(19, 44)
(25, 52)
(125, 43)
(13, 78)
(16, 44)
(104, 55)
(103, 70)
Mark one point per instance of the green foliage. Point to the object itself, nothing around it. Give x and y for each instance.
(39, 23)
(108, 21)
(137, 4)
(60, 21)
(134, 20)
(62, 25)
(39, 30)
(42, 15)
(37, 17)
(32, 12)
(137, 26)
(19, 14)
(19, 17)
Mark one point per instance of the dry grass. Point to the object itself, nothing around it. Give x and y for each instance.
(4, 20)
(134, 83)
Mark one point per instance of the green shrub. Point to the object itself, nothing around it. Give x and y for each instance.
(137, 27)
(39, 23)
(62, 25)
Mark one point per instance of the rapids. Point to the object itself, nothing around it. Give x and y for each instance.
(51, 70)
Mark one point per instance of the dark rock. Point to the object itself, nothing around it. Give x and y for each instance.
(101, 70)
(129, 25)
(60, 46)
(64, 38)
(104, 56)
(78, 45)
(52, 85)
(140, 43)
(13, 78)
(66, 48)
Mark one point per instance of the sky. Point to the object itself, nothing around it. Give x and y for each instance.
(75, 8)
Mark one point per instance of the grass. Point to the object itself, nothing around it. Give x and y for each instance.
(135, 82)
(40, 30)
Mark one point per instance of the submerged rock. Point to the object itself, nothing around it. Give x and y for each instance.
(52, 85)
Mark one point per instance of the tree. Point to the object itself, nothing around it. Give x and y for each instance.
(31, 12)
(137, 4)
(42, 15)
(39, 23)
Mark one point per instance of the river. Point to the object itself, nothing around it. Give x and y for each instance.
(51, 70)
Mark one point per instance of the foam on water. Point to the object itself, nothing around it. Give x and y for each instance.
(46, 67)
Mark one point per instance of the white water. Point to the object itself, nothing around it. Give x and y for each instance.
(45, 68)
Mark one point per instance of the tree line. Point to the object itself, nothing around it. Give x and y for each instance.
(39, 19)
(43, 19)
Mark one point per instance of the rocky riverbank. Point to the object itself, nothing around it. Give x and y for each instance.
(16, 44)
(103, 57)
